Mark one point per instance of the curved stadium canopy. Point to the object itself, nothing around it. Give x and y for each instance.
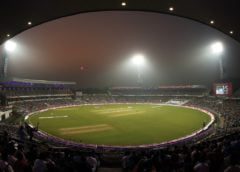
(17, 16)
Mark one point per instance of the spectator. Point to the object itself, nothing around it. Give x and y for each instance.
(234, 166)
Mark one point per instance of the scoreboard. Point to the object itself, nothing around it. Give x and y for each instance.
(223, 89)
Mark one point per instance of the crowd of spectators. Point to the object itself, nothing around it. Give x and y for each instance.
(228, 109)
(31, 106)
(212, 156)
(20, 152)
(163, 91)
(24, 156)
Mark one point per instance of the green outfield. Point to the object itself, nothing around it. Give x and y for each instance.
(120, 124)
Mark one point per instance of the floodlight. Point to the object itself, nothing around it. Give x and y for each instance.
(217, 48)
(10, 46)
(171, 8)
(123, 4)
(138, 59)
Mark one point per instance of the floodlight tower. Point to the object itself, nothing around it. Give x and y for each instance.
(138, 60)
(217, 49)
(9, 47)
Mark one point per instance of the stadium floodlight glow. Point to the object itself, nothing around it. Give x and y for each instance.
(138, 59)
(10, 46)
(217, 48)
(171, 9)
(123, 4)
(212, 22)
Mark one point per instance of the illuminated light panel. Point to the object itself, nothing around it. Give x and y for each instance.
(29, 23)
(231, 32)
(212, 22)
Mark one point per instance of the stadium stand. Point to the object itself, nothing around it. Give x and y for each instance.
(183, 90)
(25, 89)
(21, 150)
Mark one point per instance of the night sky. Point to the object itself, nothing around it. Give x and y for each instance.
(94, 49)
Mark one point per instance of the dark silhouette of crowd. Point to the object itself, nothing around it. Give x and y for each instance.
(23, 155)
(213, 155)
(21, 151)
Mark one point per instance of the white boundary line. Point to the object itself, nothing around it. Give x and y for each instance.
(139, 146)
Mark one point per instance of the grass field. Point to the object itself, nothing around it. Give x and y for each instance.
(120, 124)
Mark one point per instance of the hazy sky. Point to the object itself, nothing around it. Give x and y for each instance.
(94, 49)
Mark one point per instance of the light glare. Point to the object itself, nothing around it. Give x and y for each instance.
(10, 46)
(138, 59)
(212, 22)
(124, 4)
(217, 48)
(171, 8)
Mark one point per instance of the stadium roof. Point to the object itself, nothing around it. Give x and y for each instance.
(17, 16)
(33, 81)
